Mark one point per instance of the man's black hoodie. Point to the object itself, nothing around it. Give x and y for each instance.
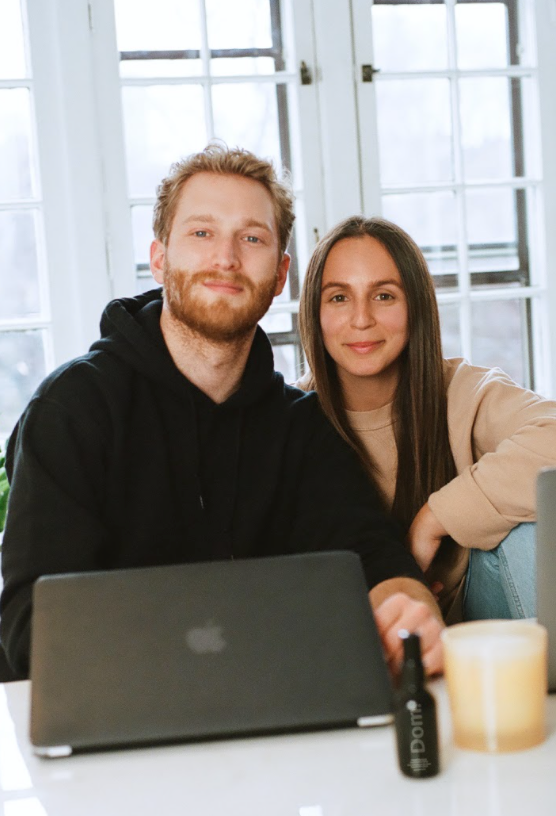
(119, 461)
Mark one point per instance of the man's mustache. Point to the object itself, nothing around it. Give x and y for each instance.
(234, 278)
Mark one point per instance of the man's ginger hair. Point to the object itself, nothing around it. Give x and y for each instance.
(217, 158)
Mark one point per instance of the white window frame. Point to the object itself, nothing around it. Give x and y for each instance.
(88, 237)
(71, 181)
(545, 11)
(303, 115)
(348, 106)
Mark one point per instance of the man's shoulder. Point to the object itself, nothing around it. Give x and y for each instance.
(84, 392)
(96, 369)
(309, 424)
(303, 406)
(307, 400)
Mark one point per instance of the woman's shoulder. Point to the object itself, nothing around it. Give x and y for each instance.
(472, 388)
(459, 373)
(306, 382)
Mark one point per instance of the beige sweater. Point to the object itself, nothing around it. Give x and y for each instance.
(501, 435)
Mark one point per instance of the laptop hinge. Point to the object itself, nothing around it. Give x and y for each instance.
(53, 751)
(378, 719)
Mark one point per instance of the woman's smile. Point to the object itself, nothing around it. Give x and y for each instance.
(364, 347)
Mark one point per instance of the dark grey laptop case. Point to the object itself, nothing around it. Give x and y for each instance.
(546, 563)
(204, 650)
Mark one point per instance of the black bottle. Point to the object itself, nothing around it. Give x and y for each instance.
(415, 716)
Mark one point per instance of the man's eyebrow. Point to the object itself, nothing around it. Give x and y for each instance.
(201, 218)
(252, 222)
(208, 219)
(375, 284)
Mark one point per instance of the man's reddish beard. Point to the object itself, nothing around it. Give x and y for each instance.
(220, 322)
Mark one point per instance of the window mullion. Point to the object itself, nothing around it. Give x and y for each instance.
(545, 11)
(205, 60)
(464, 281)
(338, 126)
(68, 152)
(306, 116)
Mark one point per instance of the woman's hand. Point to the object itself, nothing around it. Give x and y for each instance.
(424, 537)
(401, 611)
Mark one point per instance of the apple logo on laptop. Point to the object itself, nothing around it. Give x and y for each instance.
(206, 639)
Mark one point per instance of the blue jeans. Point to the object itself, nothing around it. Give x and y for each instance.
(501, 583)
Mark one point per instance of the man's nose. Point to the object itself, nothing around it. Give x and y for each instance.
(225, 254)
(363, 315)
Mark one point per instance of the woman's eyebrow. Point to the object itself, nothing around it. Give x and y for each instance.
(388, 282)
(374, 284)
(333, 285)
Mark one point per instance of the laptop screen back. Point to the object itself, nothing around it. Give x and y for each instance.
(546, 563)
(204, 650)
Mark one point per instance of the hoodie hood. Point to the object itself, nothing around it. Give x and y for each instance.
(130, 330)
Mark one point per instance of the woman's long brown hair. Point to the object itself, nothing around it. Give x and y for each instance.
(425, 460)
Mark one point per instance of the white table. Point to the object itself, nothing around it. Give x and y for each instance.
(334, 773)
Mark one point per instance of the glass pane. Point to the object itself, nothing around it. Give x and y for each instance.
(449, 324)
(162, 124)
(485, 110)
(498, 331)
(19, 284)
(160, 68)
(409, 37)
(482, 35)
(285, 361)
(414, 131)
(21, 370)
(430, 218)
(276, 322)
(12, 48)
(145, 284)
(491, 217)
(15, 138)
(242, 65)
(286, 296)
(142, 219)
(160, 26)
(257, 126)
(493, 258)
(241, 24)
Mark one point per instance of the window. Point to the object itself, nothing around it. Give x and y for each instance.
(458, 146)
(439, 115)
(195, 71)
(25, 349)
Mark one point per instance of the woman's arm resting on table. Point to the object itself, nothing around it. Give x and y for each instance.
(404, 603)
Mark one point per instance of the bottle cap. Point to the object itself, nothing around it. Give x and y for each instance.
(412, 670)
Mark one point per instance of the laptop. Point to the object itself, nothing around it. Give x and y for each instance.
(204, 650)
(546, 564)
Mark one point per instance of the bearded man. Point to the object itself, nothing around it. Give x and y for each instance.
(174, 440)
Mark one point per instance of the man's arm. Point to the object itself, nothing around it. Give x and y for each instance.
(53, 523)
(339, 509)
(403, 603)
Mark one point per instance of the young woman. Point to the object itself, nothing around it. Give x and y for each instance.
(453, 448)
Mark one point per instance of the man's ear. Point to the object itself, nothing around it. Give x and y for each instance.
(158, 254)
(283, 267)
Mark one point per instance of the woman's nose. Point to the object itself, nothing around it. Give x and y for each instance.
(363, 315)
